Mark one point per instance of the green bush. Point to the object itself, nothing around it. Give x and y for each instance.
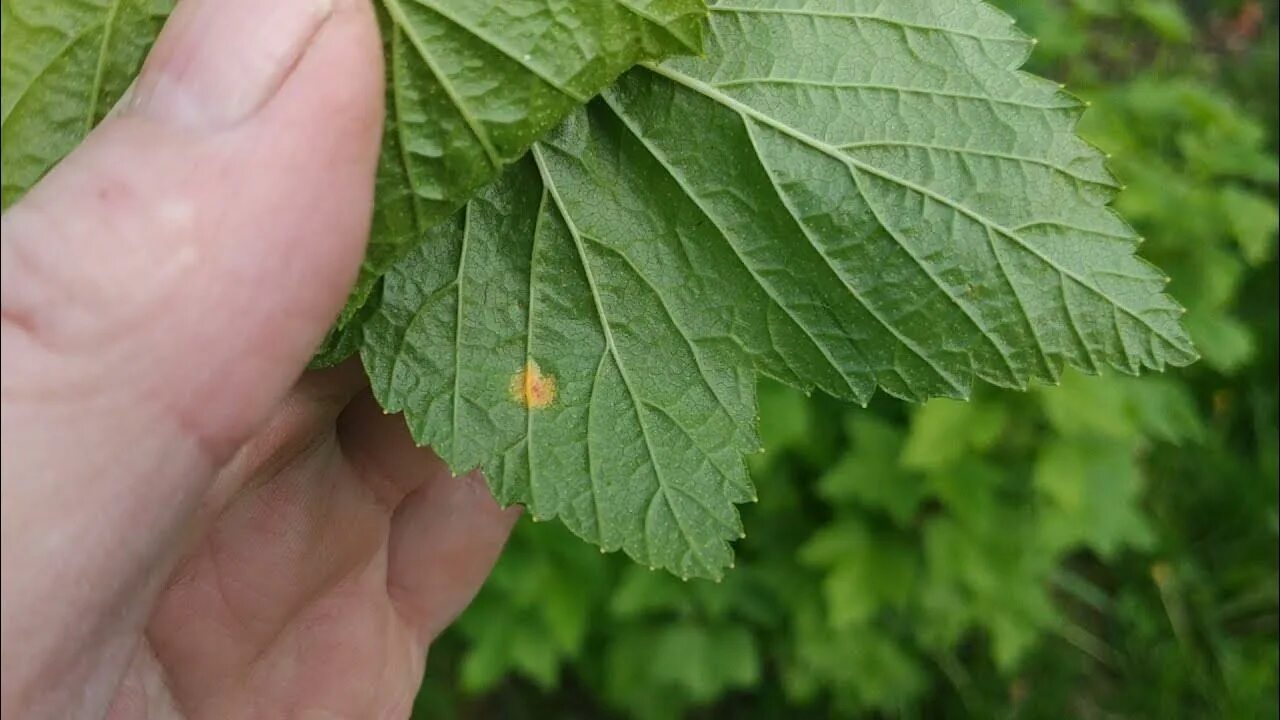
(1104, 548)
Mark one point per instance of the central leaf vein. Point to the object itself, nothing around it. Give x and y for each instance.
(612, 347)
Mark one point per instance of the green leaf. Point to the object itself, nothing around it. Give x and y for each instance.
(1228, 343)
(641, 447)
(861, 666)
(704, 660)
(984, 567)
(535, 609)
(1166, 410)
(1253, 219)
(62, 68)
(658, 670)
(1093, 488)
(785, 419)
(842, 195)
(1123, 409)
(865, 570)
(871, 474)
(471, 84)
(944, 431)
(1166, 18)
(1085, 406)
(972, 492)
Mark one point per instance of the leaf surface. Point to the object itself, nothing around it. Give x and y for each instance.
(844, 194)
(472, 83)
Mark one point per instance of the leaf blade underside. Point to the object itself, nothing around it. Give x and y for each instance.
(843, 194)
(471, 85)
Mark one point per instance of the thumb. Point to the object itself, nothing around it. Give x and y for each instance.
(189, 256)
(162, 288)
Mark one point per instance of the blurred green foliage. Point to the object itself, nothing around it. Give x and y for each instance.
(1107, 548)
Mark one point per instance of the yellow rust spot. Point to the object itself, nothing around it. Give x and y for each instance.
(531, 388)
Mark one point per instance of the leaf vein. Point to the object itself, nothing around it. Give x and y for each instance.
(744, 109)
(438, 8)
(799, 82)
(853, 292)
(456, 437)
(727, 237)
(666, 309)
(613, 350)
(859, 17)
(99, 72)
(58, 55)
(979, 153)
(397, 13)
(980, 327)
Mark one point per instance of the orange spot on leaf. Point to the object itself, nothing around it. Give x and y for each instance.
(532, 389)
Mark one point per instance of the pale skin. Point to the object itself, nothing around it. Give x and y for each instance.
(193, 526)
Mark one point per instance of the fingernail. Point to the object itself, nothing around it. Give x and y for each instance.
(218, 61)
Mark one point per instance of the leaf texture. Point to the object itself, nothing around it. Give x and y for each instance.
(844, 194)
(472, 83)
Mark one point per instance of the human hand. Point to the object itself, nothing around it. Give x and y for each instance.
(191, 526)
